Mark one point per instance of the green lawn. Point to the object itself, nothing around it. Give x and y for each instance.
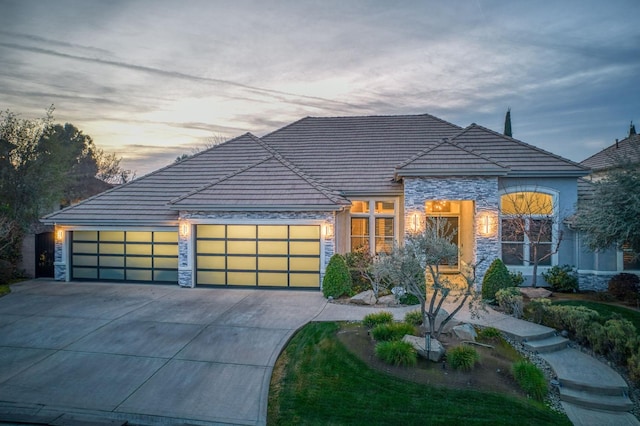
(4, 290)
(317, 381)
(606, 310)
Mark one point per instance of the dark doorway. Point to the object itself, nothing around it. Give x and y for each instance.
(45, 254)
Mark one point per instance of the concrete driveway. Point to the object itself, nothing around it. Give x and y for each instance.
(146, 354)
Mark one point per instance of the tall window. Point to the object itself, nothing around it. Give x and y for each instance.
(446, 213)
(527, 224)
(376, 215)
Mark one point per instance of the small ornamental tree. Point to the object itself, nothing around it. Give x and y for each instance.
(337, 279)
(416, 268)
(496, 278)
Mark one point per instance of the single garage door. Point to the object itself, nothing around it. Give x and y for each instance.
(138, 256)
(258, 255)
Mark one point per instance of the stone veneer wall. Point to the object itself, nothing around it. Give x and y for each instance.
(484, 193)
(59, 264)
(589, 281)
(186, 246)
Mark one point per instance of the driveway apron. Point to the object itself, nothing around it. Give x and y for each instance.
(146, 354)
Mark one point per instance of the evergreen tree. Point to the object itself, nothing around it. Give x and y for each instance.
(507, 124)
(632, 129)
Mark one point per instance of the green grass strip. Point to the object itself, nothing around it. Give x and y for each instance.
(606, 310)
(321, 383)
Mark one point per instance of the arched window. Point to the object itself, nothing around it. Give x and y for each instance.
(527, 223)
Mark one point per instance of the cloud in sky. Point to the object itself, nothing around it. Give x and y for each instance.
(152, 79)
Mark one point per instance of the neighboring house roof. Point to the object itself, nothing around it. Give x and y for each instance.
(625, 151)
(315, 164)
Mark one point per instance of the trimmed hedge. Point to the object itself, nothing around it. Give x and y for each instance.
(497, 277)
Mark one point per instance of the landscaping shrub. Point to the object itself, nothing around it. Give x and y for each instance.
(392, 331)
(462, 357)
(577, 320)
(530, 379)
(6, 271)
(373, 319)
(562, 278)
(624, 287)
(633, 364)
(337, 280)
(397, 352)
(536, 308)
(496, 278)
(616, 339)
(510, 299)
(357, 261)
(517, 279)
(413, 317)
(409, 299)
(489, 333)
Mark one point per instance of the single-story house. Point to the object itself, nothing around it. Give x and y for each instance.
(270, 211)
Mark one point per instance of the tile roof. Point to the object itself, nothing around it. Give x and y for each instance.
(626, 150)
(448, 159)
(358, 155)
(314, 164)
(270, 184)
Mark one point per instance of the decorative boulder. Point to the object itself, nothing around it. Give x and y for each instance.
(435, 353)
(465, 332)
(535, 293)
(364, 298)
(388, 300)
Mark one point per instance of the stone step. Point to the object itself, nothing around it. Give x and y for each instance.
(539, 333)
(548, 344)
(595, 401)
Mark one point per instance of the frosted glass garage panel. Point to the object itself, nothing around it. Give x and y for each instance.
(210, 231)
(79, 260)
(111, 248)
(241, 262)
(112, 261)
(214, 247)
(139, 249)
(85, 273)
(304, 248)
(165, 237)
(274, 232)
(112, 274)
(111, 236)
(142, 275)
(304, 280)
(273, 247)
(139, 237)
(241, 247)
(273, 263)
(89, 248)
(139, 262)
(165, 250)
(211, 262)
(85, 236)
(273, 279)
(241, 231)
(171, 276)
(241, 278)
(304, 232)
(211, 277)
(304, 264)
(165, 263)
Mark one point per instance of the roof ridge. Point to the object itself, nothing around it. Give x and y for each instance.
(518, 141)
(329, 193)
(420, 153)
(618, 144)
(222, 179)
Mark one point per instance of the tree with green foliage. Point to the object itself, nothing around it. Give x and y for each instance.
(610, 217)
(42, 166)
(507, 124)
(415, 267)
(337, 279)
(496, 278)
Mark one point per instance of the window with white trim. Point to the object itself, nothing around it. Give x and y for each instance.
(378, 216)
(526, 228)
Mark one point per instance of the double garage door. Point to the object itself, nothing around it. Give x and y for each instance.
(225, 255)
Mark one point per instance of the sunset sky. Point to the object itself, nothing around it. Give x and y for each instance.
(153, 79)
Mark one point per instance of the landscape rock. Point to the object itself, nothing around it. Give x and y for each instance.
(435, 354)
(388, 300)
(364, 298)
(465, 332)
(535, 293)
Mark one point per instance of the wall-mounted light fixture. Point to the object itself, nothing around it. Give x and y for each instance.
(59, 235)
(415, 222)
(487, 224)
(327, 230)
(185, 227)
